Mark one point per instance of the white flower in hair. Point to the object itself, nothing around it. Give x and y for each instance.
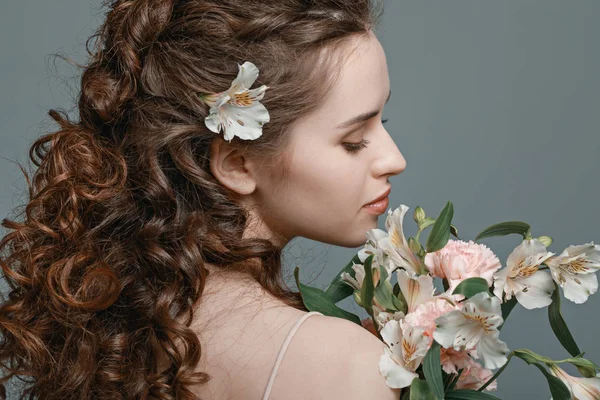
(237, 111)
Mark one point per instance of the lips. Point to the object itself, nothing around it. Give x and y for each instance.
(383, 196)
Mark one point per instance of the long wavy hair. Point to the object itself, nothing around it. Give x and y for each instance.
(123, 210)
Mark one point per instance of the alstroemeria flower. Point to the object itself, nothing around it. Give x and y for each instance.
(404, 352)
(580, 388)
(474, 326)
(237, 110)
(396, 245)
(383, 317)
(574, 270)
(359, 273)
(417, 290)
(374, 236)
(523, 279)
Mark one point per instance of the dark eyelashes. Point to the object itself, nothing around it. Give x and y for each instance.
(353, 148)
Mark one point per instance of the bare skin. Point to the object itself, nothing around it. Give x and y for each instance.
(241, 327)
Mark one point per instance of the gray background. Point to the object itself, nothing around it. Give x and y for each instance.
(495, 106)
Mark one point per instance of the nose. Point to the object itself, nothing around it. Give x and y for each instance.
(389, 161)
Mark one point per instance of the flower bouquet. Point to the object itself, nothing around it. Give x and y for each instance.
(447, 345)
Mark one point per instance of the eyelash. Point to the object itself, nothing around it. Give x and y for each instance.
(353, 148)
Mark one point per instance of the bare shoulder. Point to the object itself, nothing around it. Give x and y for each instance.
(339, 358)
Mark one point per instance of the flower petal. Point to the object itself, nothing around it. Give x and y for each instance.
(247, 74)
(536, 290)
(397, 240)
(347, 278)
(416, 290)
(580, 388)
(396, 376)
(447, 327)
(492, 350)
(576, 288)
(213, 122)
(391, 334)
(244, 122)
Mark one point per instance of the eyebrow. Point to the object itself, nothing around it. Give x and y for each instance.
(363, 117)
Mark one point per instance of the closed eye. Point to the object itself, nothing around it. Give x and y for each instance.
(354, 148)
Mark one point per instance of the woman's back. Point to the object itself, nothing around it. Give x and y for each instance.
(243, 331)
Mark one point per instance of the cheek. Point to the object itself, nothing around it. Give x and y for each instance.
(325, 186)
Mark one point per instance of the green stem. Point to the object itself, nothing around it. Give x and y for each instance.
(456, 378)
(376, 325)
(496, 374)
(418, 234)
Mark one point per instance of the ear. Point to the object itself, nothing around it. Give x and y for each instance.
(231, 168)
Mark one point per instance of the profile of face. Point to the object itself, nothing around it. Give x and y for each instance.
(329, 182)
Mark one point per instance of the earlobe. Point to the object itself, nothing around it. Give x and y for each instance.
(231, 168)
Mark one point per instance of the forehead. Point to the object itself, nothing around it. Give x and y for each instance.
(362, 86)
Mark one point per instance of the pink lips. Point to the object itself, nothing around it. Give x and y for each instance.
(383, 196)
(379, 205)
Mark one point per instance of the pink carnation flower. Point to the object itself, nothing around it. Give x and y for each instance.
(454, 360)
(460, 260)
(425, 314)
(475, 375)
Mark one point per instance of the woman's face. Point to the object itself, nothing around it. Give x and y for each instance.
(323, 196)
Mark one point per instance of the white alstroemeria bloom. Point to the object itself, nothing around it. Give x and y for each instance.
(574, 270)
(416, 290)
(580, 388)
(474, 326)
(396, 245)
(238, 110)
(522, 278)
(403, 354)
(359, 273)
(372, 246)
(383, 317)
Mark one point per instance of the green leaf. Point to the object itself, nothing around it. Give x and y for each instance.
(317, 300)
(503, 229)
(367, 289)
(433, 371)
(420, 391)
(400, 302)
(471, 286)
(559, 326)
(384, 292)
(558, 389)
(338, 290)
(506, 308)
(466, 394)
(440, 233)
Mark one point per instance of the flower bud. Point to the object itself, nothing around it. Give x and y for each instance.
(546, 240)
(356, 295)
(419, 215)
(454, 230)
(376, 275)
(414, 246)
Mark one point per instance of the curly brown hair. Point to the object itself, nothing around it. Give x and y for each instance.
(123, 209)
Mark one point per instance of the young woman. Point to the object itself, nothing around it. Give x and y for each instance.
(148, 264)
